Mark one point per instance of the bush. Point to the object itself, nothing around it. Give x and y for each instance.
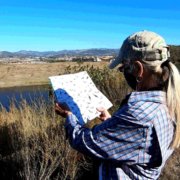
(33, 145)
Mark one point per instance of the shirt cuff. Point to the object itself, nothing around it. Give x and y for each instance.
(71, 120)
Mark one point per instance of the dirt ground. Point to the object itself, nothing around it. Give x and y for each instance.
(14, 74)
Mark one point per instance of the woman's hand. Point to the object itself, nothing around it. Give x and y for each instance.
(104, 114)
(62, 109)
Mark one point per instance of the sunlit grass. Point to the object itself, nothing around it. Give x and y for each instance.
(33, 145)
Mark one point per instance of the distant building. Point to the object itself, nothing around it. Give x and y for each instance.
(106, 58)
(97, 59)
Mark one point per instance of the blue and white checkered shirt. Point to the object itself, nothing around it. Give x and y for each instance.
(134, 143)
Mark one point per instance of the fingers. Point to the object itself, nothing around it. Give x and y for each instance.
(102, 117)
(100, 109)
(104, 113)
(62, 110)
(58, 108)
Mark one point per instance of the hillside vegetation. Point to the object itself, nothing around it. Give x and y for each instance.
(15, 74)
(175, 53)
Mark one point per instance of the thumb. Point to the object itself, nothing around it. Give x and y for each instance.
(100, 109)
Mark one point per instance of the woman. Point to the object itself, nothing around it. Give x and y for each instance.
(138, 139)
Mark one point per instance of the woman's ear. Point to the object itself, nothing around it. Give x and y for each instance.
(139, 69)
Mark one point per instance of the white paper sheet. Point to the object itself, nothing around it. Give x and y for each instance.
(81, 95)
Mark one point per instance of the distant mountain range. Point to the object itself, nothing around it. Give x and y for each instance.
(84, 52)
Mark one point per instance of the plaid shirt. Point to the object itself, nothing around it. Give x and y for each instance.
(134, 143)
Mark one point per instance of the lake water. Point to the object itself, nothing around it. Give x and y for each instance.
(29, 93)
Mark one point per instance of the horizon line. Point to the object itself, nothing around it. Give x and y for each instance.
(69, 49)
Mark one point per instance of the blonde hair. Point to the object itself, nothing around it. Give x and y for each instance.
(168, 76)
(173, 100)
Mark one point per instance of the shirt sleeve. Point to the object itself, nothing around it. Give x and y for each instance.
(117, 139)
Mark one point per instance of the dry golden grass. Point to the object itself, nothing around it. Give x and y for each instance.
(13, 74)
(33, 145)
(172, 167)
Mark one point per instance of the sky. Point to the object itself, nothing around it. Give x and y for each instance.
(42, 25)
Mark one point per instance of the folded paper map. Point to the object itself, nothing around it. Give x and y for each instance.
(80, 94)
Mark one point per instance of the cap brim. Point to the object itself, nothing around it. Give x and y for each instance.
(114, 62)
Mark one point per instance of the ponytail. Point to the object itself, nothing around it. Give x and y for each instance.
(167, 75)
(173, 100)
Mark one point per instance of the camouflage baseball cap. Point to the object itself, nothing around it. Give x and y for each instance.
(143, 45)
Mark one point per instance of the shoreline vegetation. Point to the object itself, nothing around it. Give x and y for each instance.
(23, 74)
(33, 144)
